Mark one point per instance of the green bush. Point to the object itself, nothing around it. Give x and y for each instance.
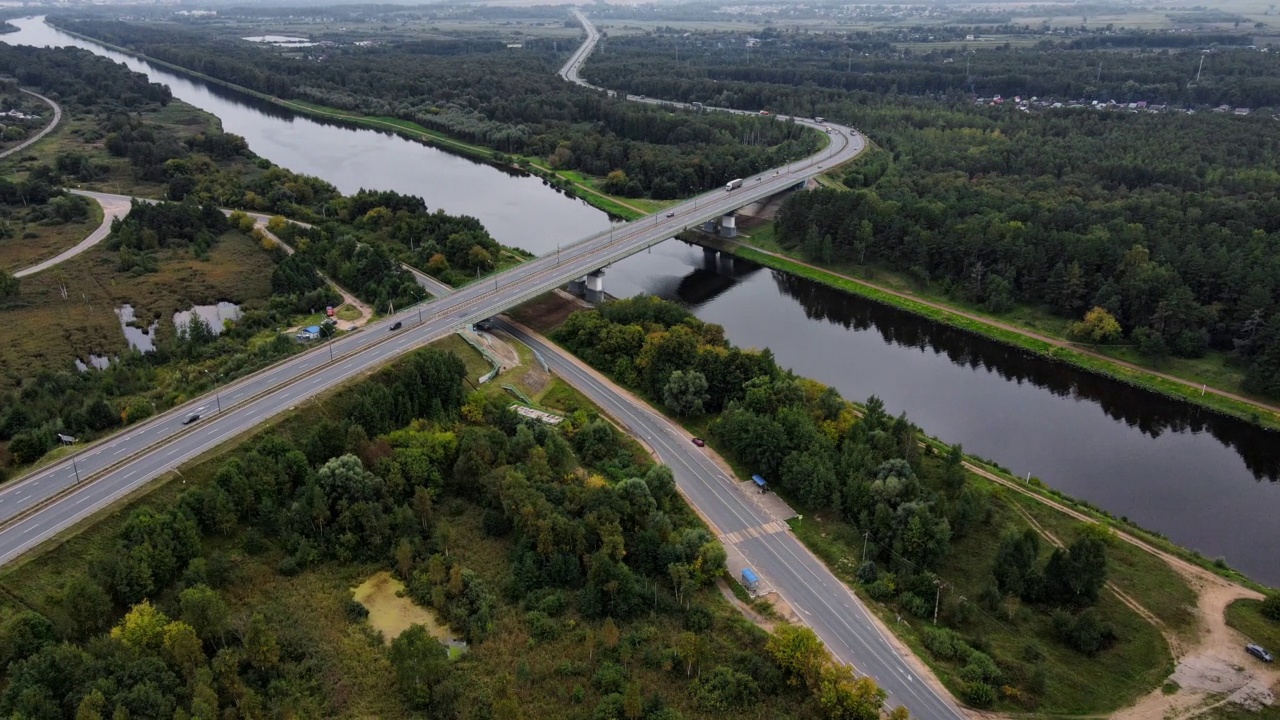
(610, 678)
(1270, 607)
(541, 627)
(980, 669)
(979, 695)
(945, 644)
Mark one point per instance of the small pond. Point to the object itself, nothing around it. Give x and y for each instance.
(215, 316)
(140, 339)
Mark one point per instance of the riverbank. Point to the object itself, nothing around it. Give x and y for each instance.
(568, 182)
(1208, 397)
(1148, 574)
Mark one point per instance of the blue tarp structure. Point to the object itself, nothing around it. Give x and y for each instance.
(760, 482)
(749, 579)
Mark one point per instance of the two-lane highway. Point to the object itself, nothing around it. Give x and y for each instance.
(824, 602)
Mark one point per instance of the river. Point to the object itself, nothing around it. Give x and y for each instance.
(1205, 481)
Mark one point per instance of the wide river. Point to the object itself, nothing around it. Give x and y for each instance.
(1207, 482)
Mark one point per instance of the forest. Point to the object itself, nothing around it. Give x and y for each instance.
(916, 507)
(483, 92)
(795, 72)
(595, 585)
(1167, 222)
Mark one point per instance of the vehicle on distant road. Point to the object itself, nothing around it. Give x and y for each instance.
(671, 214)
(699, 442)
(819, 119)
(764, 112)
(1258, 652)
(733, 184)
(191, 418)
(396, 325)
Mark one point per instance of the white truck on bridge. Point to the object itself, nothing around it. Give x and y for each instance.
(733, 184)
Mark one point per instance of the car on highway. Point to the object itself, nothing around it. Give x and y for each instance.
(191, 418)
(699, 442)
(671, 214)
(1258, 652)
(396, 325)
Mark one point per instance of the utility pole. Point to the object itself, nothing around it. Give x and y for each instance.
(866, 536)
(77, 469)
(1200, 69)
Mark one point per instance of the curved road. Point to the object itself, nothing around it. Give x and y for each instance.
(113, 206)
(37, 507)
(57, 118)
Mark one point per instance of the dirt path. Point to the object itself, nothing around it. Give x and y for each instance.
(57, 118)
(366, 312)
(1174, 642)
(1212, 668)
(1056, 342)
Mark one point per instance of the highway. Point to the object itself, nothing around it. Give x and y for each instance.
(35, 508)
(821, 599)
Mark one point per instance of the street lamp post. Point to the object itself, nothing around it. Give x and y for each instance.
(76, 467)
(217, 395)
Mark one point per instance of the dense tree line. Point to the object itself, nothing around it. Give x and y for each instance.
(485, 93)
(80, 80)
(1164, 221)
(373, 487)
(783, 70)
(911, 503)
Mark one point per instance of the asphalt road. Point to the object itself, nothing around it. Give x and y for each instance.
(826, 605)
(57, 118)
(37, 507)
(113, 206)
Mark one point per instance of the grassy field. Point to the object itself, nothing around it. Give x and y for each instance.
(1243, 615)
(1031, 319)
(36, 242)
(61, 329)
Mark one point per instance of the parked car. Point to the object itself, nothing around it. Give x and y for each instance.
(396, 325)
(699, 442)
(191, 418)
(1258, 652)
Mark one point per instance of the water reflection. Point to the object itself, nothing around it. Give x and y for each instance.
(141, 339)
(1150, 413)
(214, 316)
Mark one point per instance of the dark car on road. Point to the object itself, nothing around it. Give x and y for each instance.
(1258, 652)
(396, 325)
(699, 442)
(191, 418)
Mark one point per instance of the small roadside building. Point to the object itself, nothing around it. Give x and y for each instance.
(760, 483)
(307, 334)
(750, 580)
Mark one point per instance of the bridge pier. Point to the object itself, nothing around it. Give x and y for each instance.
(709, 259)
(595, 287)
(709, 226)
(578, 287)
(729, 226)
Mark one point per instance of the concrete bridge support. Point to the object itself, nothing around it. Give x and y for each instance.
(595, 287)
(578, 287)
(709, 226)
(729, 226)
